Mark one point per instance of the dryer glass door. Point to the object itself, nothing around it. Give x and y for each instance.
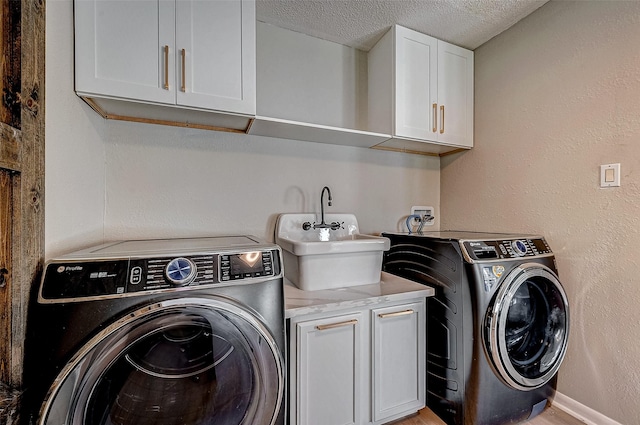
(528, 327)
(177, 362)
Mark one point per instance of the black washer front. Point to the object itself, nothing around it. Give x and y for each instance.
(175, 362)
(527, 327)
(497, 326)
(112, 340)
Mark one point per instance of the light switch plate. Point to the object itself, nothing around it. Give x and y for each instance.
(610, 175)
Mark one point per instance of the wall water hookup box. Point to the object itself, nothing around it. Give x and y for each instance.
(423, 211)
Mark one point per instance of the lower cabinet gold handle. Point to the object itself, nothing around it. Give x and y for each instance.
(184, 78)
(337, 325)
(441, 119)
(435, 117)
(396, 314)
(166, 67)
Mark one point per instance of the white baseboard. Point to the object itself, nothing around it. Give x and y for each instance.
(581, 412)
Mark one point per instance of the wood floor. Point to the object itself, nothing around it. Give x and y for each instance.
(551, 416)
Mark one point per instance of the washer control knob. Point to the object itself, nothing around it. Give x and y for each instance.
(519, 248)
(180, 271)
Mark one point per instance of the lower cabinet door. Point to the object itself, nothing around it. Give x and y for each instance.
(398, 360)
(328, 376)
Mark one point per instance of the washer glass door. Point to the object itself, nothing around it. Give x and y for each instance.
(528, 326)
(177, 362)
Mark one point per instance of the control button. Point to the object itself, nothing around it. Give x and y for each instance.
(519, 248)
(180, 271)
(136, 275)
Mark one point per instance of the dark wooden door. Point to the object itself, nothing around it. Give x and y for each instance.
(6, 237)
(22, 44)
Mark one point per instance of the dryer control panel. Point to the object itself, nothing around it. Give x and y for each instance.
(486, 250)
(74, 280)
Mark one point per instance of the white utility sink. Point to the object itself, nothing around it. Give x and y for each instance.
(325, 258)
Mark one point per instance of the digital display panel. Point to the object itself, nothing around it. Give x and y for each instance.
(247, 262)
(246, 265)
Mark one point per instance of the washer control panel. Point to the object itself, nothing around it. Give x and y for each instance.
(505, 249)
(71, 280)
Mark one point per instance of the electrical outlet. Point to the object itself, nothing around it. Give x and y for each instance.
(422, 211)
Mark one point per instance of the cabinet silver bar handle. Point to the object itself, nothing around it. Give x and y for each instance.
(441, 119)
(184, 78)
(337, 325)
(435, 117)
(396, 314)
(166, 67)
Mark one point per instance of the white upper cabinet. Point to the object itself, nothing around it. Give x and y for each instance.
(190, 53)
(120, 49)
(421, 90)
(215, 42)
(195, 63)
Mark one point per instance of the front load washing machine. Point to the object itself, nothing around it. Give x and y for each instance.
(497, 326)
(158, 332)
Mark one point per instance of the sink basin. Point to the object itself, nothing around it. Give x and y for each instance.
(318, 259)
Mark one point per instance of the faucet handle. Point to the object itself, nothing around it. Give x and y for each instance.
(306, 225)
(335, 225)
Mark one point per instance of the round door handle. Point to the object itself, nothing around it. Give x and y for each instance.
(3, 271)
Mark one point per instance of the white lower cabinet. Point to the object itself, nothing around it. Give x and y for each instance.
(358, 366)
(398, 360)
(329, 357)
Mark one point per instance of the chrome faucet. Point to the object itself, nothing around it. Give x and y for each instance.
(322, 225)
(333, 226)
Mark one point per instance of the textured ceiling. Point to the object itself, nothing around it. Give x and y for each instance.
(360, 23)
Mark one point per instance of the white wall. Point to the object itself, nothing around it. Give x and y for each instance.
(74, 149)
(556, 96)
(167, 181)
(109, 180)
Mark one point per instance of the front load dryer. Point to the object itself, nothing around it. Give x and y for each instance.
(497, 326)
(158, 332)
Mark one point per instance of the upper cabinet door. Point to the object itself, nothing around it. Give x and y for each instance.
(455, 95)
(416, 84)
(125, 49)
(215, 55)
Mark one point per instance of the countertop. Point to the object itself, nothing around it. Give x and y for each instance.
(390, 288)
